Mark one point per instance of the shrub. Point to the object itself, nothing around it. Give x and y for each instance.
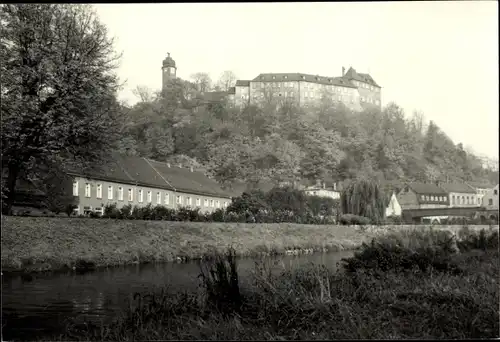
(111, 211)
(219, 278)
(350, 219)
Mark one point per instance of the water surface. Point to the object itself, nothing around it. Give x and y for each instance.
(43, 305)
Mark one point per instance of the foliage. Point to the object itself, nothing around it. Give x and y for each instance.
(364, 198)
(350, 219)
(58, 89)
(219, 278)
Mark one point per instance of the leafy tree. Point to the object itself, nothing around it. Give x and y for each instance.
(58, 88)
(363, 197)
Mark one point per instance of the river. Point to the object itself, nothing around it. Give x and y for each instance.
(33, 308)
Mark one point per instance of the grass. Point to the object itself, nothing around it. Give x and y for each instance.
(31, 243)
(42, 243)
(369, 302)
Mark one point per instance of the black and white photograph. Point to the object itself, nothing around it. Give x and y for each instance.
(249, 171)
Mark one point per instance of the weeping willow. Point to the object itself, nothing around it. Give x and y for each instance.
(364, 198)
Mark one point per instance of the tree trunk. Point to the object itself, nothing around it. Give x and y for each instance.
(13, 170)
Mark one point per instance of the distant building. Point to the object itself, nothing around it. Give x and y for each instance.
(168, 71)
(460, 194)
(323, 189)
(481, 189)
(393, 208)
(422, 196)
(355, 90)
(490, 199)
(140, 181)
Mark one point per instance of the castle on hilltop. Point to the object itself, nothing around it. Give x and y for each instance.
(356, 91)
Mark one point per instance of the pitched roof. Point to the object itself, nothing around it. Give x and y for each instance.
(351, 74)
(480, 185)
(293, 77)
(458, 187)
(242, 83)
(427, 188)
(146, 172)
(182, 179)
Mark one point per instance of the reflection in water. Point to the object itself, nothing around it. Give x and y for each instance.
(45, 303)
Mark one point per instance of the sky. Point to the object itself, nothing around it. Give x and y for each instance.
(439, 58)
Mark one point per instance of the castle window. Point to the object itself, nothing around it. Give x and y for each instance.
(141, 195)
(158, 197)
(99, 191)
(87, 190)
(110, 192)
(130, 194)
(120, 193)
(166, 198)
(150, 197)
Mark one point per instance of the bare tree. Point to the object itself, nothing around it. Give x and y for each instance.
(226, 80)
(202, 81)
(145, 94)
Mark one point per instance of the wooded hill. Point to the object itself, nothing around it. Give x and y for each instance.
(263, 143)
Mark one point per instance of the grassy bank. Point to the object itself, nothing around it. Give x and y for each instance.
(40, 243)
(31, 243)
(402, 286)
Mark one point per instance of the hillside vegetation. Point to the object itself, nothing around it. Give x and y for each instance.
(327, 142)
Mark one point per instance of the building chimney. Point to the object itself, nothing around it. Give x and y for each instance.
(343, 71)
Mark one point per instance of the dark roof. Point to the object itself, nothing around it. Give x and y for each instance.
(242, 83)
(182, 179)
(351, 74)
(427, 188)
(293, 77)
(146, 172)
(480, 185)
(458, 187)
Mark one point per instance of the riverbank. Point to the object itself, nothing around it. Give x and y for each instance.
(33, 244)
(418, 286)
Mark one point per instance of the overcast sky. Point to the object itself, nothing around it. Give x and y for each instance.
(437, 57)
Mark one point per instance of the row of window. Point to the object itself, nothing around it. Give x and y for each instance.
(369, 100)
(149, 196)
(304, 85)
(366, 86)
(433, 198)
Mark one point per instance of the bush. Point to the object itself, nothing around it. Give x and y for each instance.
(350, 219)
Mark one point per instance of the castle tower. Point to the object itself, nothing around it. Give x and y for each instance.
(169, 71)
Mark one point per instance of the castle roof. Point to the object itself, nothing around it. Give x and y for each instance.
(294, 77)
(168, 61)
(351, 74)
